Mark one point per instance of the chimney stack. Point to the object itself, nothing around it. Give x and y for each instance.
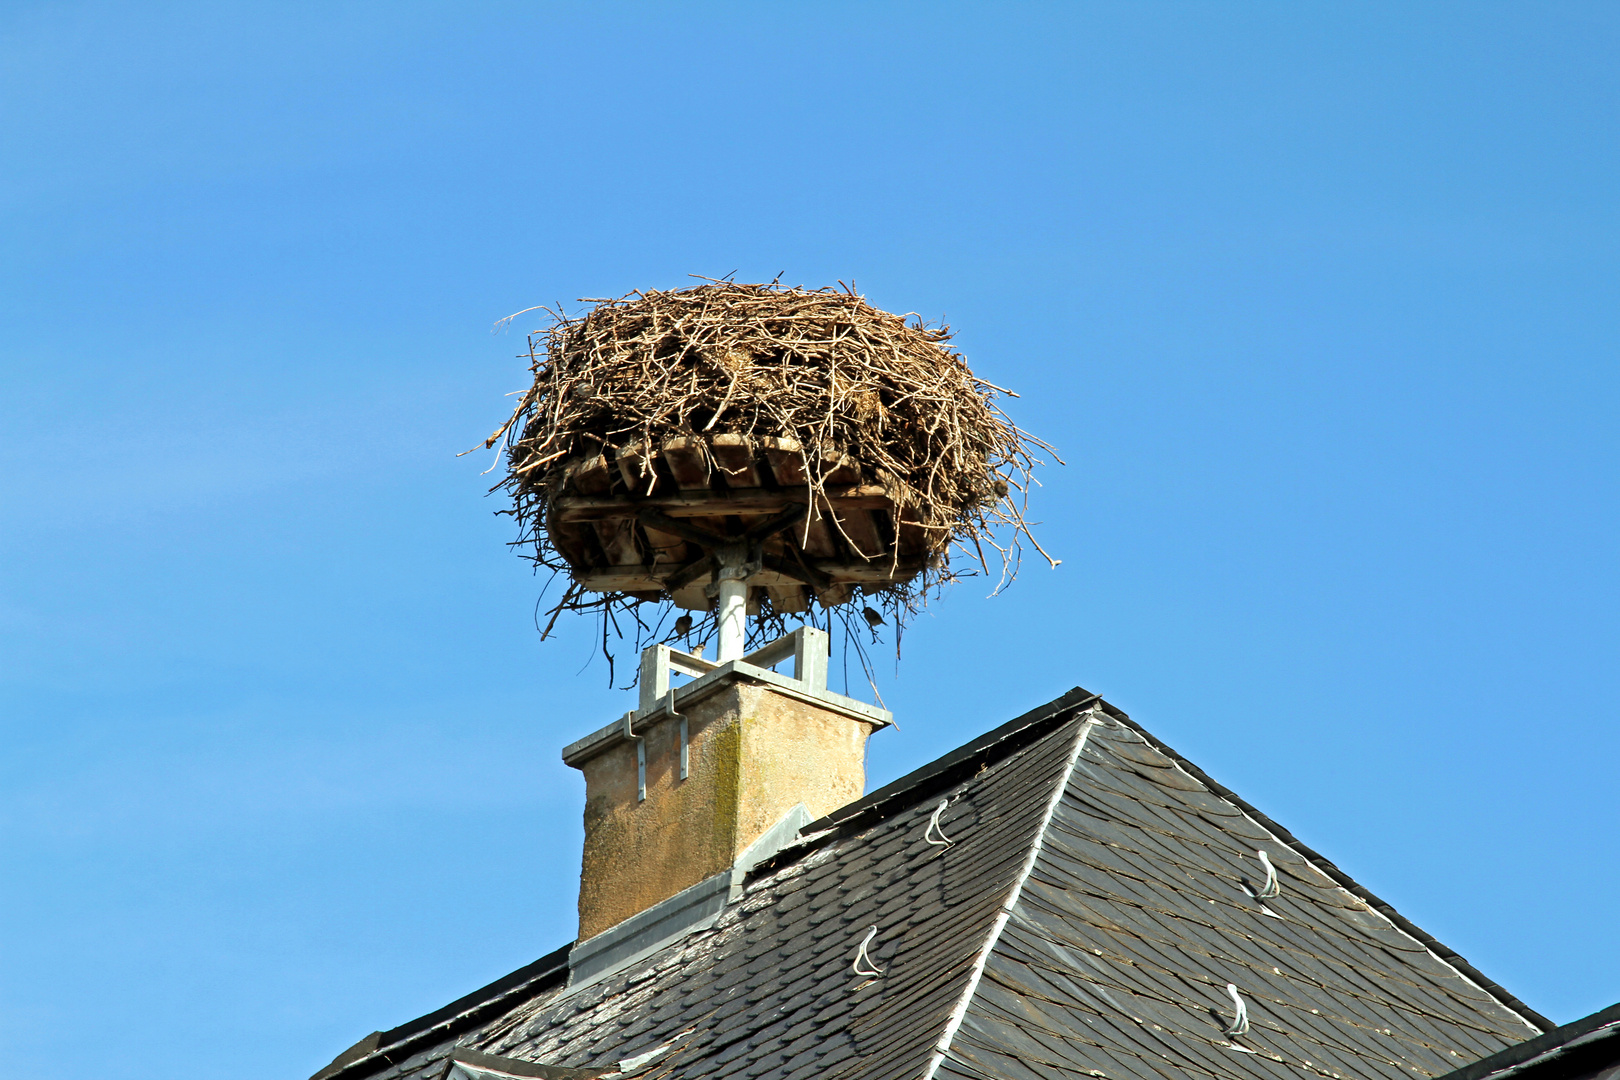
(708, 777)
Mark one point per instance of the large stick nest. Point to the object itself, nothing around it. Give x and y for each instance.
(816, 373)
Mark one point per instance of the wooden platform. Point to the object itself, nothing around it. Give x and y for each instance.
(725, 485)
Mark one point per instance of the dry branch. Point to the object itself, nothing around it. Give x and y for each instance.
(862, 398)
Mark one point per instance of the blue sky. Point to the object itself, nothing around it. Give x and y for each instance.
(1318, 302)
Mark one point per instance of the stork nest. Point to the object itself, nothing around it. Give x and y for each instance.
(812, 368)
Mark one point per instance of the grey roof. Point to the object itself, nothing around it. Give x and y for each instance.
(1094, 902)
(1584, 1049)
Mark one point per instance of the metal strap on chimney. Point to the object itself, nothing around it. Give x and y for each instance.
(669, 709)
(641, 755)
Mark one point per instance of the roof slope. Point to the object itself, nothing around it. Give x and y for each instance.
(1584, 1049)
(1084, 918)
(1140, 910)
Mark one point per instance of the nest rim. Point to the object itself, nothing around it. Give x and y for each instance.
(860, 395)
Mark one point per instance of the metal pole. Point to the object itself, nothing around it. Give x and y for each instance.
(731, 598)
(732, 615)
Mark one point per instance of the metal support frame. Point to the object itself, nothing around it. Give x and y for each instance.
(659, 698)
(734, 559)
(808, 646)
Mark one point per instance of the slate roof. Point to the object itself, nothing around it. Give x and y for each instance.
(1094, 901)
(1584, 1049)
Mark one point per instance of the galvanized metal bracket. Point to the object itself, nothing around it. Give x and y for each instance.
(641, 755)
(669, 710)
(807, 646)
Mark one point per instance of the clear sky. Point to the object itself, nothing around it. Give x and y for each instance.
(1319, 302)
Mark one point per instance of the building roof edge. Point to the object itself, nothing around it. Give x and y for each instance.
(1349, 883)
(383, 1048)
(1549, 1044)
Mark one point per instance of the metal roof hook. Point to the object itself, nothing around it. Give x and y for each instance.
(1240, 1024)
(862, 958)
(1272, 887)
(934, 830)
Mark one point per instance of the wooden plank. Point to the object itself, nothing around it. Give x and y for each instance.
(692, 598)
(815, 535)
(875, 573)
(834, 595)
(787, 461)
(631, 578)
(715, 503)
(566, 539)
(668, 550)
(688, 461)
(588, 476)
(714, 526)
(859, 533)
(618, 536)
(788, 599)
(911, 537)
(636, 470)
(837, 467)
(734, 456)
(618, 579)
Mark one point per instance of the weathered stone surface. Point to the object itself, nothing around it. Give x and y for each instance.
(754, 754)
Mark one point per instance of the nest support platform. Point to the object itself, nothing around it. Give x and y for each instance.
(712, 523)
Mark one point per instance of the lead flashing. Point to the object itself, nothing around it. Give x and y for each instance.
(469, 1064)
(688, 911)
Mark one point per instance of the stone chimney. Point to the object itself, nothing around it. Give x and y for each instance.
(704, 779)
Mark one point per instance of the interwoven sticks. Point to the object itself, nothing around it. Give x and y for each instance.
(727, 400)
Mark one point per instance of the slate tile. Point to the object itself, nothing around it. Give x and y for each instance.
(1135, 854)
(990, 1061)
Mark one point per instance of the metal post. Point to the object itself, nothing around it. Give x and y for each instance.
(732, 615)
(730, 592)
(810, 649)
(654, 681)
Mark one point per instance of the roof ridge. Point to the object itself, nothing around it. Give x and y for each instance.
(1344, 880)
(381, 1047)
(1060, 785)
(943, 772)
(992, 745)
(1548, 1044)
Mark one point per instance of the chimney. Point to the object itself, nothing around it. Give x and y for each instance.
(703, 780)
